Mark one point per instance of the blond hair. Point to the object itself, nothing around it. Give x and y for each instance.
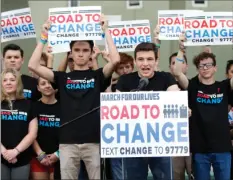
(19, 90)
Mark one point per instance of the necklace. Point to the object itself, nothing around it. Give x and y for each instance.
(11, 103)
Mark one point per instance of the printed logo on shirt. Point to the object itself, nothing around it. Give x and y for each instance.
(230, 116)
(48, 121)
(13, 115)
(27, 93)
(80, 84)
(209, 98)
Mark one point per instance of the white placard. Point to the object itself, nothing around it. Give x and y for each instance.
(128, 34)
(73, 23)
(144, 124)
(209, 28)
(17, 24)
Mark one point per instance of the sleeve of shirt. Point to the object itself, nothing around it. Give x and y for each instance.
(170, 80)
(230, 100)
(32, 111)
(57, 76)
(104, 82)
(120, 84)
(229, 91)
(36, 95)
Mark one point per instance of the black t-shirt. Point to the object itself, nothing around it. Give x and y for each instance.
(48, 116)
(14, 127)
(209, 126)
(30, 90)
(231, 99)
(159, 82)
(79, 94)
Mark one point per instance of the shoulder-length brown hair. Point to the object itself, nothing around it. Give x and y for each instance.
(19, 90)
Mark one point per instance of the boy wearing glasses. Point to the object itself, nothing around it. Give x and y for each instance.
(210, 141)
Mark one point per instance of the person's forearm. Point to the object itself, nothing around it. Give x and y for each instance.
(26, 142)
(34, 61)
(37, 148)
(50, 63)
(113, 53)
(63, 65)
(114, 56)
(109, 89)
(2, 148)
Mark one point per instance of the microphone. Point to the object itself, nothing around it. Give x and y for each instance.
(142, 84)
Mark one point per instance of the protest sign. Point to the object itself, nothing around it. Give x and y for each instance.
(171, 23)
(73, 23)
(128, 34)
(17, 24)
(109, 18)
(144, 124)
(209, 28)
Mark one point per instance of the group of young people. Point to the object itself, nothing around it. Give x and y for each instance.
(42, 138)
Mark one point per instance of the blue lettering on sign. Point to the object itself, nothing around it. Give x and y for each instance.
(170, 137)
(18, 29)
(209, 33)
(72, 28)
(138, 135)
(59, 42)
(170, 29)
(131, 40)
(123, 133)
(168, 133)
(180, 127)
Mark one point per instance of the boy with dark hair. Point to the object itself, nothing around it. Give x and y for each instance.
(146, 62)
(210, 141)
(13, 57)
(79, 94)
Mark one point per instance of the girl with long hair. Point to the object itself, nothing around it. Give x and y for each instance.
(18, 128)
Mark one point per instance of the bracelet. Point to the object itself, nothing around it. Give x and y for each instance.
(158, 45)
(43, 41)
(44, 36)
(103, 35)
(17, 150)
(57, 154)
(41, 156)
(180, 60)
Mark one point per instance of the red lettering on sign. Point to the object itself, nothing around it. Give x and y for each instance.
(171, 21)
(75, 18)
(129, 31)
(153, 113)
(115, 112)
(124, 113)
(200, 24)
(226, 23)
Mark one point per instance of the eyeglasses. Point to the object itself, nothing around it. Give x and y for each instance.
(207, 66)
